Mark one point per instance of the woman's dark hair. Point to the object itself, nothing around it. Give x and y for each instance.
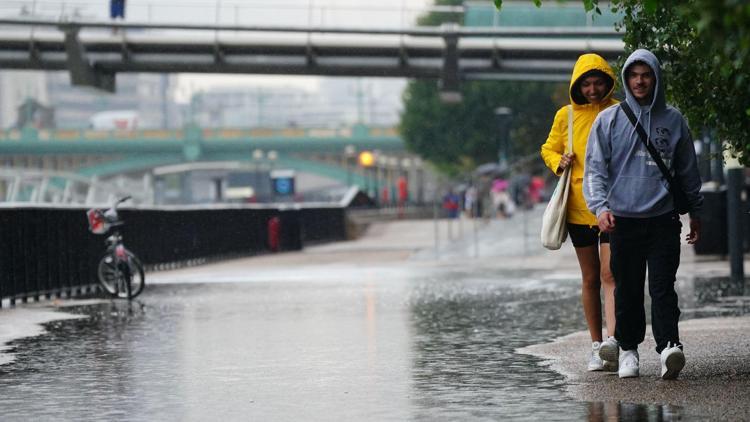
(575, 92)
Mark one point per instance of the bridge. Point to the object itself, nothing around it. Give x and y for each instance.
(100, 157)
(94, 52)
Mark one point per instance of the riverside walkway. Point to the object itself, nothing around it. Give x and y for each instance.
(487, 326)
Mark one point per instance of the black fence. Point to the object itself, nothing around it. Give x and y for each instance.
(49, 252)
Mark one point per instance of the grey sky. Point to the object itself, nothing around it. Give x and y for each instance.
(349, 13)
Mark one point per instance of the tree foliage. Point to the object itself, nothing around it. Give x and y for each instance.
(458, 137)
(704, 46)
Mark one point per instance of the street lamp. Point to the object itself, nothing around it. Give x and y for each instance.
(503, 116)
(366, 161)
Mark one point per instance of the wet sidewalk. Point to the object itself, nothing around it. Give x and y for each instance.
(387, 327)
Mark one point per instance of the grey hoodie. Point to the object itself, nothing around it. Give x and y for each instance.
(620, 176)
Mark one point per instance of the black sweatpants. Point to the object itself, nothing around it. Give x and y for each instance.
(635, 244)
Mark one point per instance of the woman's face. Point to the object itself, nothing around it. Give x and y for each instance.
(594, 88)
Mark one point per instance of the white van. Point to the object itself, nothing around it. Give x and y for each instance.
(114, 120)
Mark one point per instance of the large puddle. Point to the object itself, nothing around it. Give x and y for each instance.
(418, 344)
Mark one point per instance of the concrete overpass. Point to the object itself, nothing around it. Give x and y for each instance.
(94, 52)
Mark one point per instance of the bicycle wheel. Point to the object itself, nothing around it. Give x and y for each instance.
(137, 277)
(108, 275)
(115, 280)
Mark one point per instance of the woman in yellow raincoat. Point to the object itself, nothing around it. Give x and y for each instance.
(591, 88)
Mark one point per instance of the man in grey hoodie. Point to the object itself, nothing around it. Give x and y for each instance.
(630, 197)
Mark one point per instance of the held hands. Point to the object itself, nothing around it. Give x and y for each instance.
(695, 231)
(606, 222)
(565, 161)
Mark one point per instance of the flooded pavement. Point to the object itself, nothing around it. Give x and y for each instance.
(417, 349)
(325, 340)
(439, 346)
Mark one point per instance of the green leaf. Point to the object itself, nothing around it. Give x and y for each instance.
(588, 5)
(538, 3)
(650, 6)
(499, 4)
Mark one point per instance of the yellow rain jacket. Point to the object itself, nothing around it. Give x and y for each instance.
(584, 114)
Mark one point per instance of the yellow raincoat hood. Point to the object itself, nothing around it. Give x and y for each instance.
(587, 63)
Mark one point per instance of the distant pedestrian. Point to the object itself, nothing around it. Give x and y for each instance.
(626, 190)
(591, 88)
(470, 201)
(451, 204)
(501, 200)
(536, 186)
(117, 9)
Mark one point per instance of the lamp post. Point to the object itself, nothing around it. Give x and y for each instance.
(419, 172)
(503, 116)
(257, 158)
(381, 173)
(393, 163)
(349, 152)
(272, 157)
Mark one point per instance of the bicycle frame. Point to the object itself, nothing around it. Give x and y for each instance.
(118, 265)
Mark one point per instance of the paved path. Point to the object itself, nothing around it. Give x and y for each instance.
(715, 384)
(386, 327)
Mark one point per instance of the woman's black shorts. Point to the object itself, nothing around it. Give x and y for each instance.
(582, 235)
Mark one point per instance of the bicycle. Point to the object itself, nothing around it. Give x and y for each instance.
(119, 271)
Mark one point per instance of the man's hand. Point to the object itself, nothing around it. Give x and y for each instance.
(606, 222)
(695, 231)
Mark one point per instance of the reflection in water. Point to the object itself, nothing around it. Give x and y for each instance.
(425, 346)
(631, 412)
(714, 296)
(465, 335)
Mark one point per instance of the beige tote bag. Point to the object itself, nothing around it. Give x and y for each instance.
(554, 229)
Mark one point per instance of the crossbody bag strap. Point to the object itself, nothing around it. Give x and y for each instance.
(649, 146)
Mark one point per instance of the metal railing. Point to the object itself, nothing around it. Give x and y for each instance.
(48, 251)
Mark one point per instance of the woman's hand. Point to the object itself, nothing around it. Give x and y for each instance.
(565, 161)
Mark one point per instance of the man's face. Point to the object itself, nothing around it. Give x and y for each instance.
(594, 88)
(641, 81)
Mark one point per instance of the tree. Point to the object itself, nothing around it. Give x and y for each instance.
(458, 137)
(704, 46)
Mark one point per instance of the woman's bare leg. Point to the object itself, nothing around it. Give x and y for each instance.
(588, 259)
(608, 285)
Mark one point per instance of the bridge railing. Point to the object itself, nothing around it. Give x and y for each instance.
(207, 134)
(48, 251)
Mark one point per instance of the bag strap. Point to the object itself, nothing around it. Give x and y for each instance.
(649, 146)
(570, 129)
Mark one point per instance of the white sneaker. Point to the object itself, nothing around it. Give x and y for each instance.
(595, 362)
(610, 350)
(611, 366)
(672, 362)
(628, 364)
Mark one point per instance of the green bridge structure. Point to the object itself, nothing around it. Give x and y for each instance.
(313, 150)
(331, 153)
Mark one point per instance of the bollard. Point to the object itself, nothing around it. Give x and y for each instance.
(274, 231)
(735, 184)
